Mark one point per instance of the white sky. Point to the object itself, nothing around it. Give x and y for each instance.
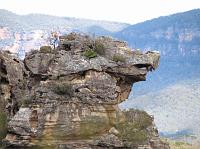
(130, 11)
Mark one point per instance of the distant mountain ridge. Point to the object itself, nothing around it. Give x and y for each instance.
(177, 37)
(41, 21)
(177, 34)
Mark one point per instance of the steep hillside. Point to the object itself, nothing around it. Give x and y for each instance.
(177, 34)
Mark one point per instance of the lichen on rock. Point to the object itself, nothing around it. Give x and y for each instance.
(72, 100)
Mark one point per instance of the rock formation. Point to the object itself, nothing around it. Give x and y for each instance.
(68, 97)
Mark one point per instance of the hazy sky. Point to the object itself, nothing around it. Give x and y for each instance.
(130, 11)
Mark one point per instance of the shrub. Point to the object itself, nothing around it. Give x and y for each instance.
(140, 118)
(89, 53)
(63, 89)
(26, 102)
(129, 131)
(71, 37)
(99, 48)
(45, 49)
(134, 128)
(143, 122)
(118, 58)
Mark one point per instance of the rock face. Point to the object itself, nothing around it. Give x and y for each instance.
(68, 97)
(12, 77)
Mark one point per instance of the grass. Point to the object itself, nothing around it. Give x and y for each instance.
(89, 53)
(180, 145)
(118, 58)
(99, 48)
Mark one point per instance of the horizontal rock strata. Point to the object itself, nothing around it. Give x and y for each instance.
(68, 97)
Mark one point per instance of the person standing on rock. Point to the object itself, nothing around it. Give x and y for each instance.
(55, 39)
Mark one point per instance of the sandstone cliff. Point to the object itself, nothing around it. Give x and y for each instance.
(68, 97)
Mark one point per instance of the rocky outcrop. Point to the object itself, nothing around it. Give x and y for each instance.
(12, 77)
(68, 97)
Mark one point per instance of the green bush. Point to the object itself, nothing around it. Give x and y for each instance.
(128, 131)
(89, 53)
(63, 89)
(143, 122)
(140, 118)
(99, 48)
(45, 49)
(118, 58)
(134, 128)
(27, 100)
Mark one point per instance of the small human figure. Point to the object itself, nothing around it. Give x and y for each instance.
(55, 39)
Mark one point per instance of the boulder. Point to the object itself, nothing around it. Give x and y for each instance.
(71, 100)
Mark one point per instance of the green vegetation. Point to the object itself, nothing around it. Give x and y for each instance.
(99, 48)
(26, 101)
(140, 118)
(45, 49)
(63, 89)
(89, 53)
(3, 125)
(134, 128)
(180, 145)
(118, 58)
(93, 50)
(131, 133)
